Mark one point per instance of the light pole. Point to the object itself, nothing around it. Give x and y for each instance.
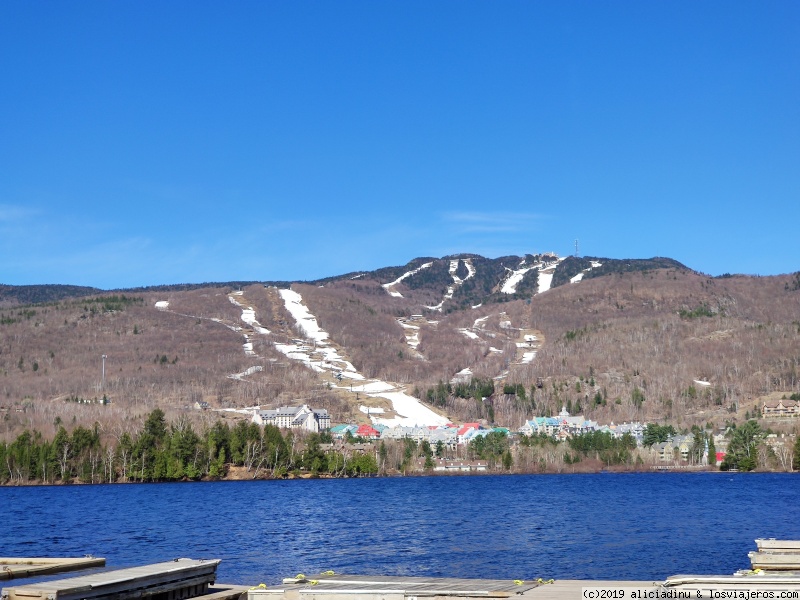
(104, 372)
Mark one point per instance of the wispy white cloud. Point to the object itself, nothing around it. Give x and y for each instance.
(492, 222)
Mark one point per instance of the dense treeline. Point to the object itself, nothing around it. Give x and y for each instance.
(176, 452)
(172, 452)
(479, 390)
(36, 294)
(573, 265)
(90, 307)
(605, 447)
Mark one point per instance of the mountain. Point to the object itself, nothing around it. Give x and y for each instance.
(474, 279)
(457, 338)
(11, 295)
(462, 281)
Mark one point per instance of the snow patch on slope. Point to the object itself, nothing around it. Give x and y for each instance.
(546, 272)
(479, 323)
(246, 372)
(248, 314)
(546, 269)
(249, 317)
(470, 269)
(580, 275)
(305, 320)
(515, 276)
(457, 281)
(410, 411)
(470, 334)
(412, 335)
(388, 286)
(530, 345)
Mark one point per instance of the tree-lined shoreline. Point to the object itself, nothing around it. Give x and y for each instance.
(161, 452)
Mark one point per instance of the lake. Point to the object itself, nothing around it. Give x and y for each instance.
(595, 526)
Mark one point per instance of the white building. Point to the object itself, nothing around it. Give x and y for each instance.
(295, 417)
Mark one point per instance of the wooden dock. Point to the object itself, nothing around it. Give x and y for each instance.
(174, 580)
(775, 569)
(224, 591)
(15, 568)
(773, 545)
(776, 555)
(185, 578)
(345, 587)
(700, 585)
(332, 584)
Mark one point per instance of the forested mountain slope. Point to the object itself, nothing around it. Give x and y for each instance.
(495, 339)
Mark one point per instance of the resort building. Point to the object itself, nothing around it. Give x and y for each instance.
(295, 417)
(780, 408)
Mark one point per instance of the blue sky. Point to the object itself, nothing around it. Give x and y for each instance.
(147, 143)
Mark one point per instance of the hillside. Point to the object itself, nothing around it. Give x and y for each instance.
(475, 338)
(12, 295)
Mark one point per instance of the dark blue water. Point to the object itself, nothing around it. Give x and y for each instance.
(606, 526)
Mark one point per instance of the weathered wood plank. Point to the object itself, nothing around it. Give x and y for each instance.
(773, 544)
(774, 561)
(738, 582)
(135, 582)
(15, 568)
(226, 592)
(327, 584)
(342, 587)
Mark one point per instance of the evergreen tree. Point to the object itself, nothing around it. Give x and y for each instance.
(712, 451)
(508, 460)
(148, 451)
(743, 447)
(655, 434)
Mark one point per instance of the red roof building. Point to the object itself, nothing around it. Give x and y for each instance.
(467, 426)
(366, 431)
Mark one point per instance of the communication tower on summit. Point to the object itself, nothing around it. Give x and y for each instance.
(576, 248)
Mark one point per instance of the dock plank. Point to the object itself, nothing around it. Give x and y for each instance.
(135, 582)
(773, 544)
(224, 591)
(766, 581)
(417, 585)
(775, 561)
(348, 587)
(16, 568)
(342, 585)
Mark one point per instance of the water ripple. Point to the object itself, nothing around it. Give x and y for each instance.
(627, 526)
